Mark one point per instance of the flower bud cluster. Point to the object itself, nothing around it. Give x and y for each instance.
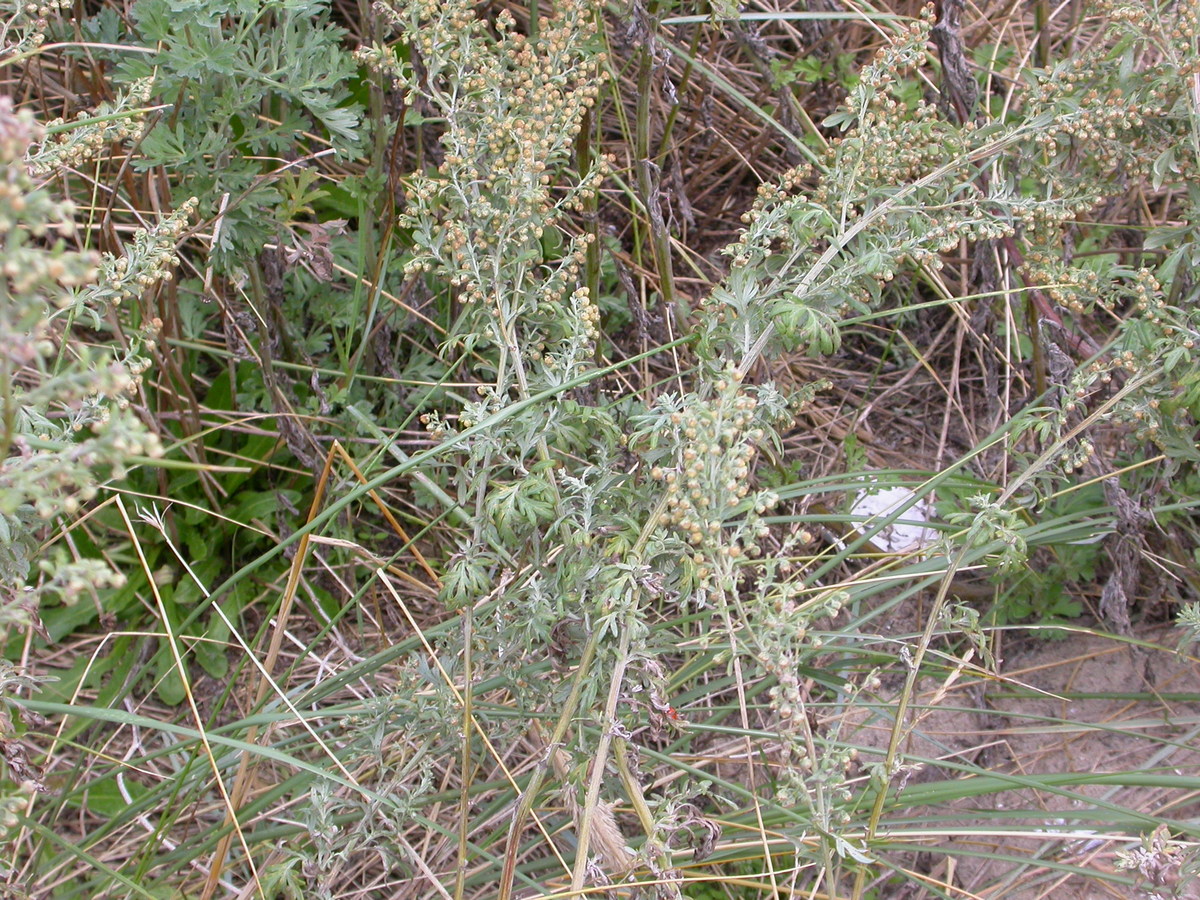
(1074, 288)
(1156, 343)
(26, 24)
(112, 123)
(807, 765)
(1115, 117)
(1159, 340)
(435, 425)
(149, 261)
(512, 108)
(488, 221)
(1110, 116)
(903, 187)
(70, 579)
(706, 469)
(29, 219)
(901, 180)
(71, 421)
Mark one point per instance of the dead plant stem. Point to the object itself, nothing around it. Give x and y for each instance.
(600, 760)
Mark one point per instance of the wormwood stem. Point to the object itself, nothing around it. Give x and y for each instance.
(649, 174)
(525, 805)
(609, 720)
(730, 577)
(633, 790)
(464, 807)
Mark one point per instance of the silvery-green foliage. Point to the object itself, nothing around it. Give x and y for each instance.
(66, 424)
(488, 221)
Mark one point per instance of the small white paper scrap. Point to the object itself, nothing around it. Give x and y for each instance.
(903, 535)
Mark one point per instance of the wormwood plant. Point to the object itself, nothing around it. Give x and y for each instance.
(67, 425)
(561, 532)
(561, 528)
(909, 183)
(510, 110)
(67, 420)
